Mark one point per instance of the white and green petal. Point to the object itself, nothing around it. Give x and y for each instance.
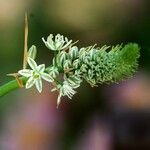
(40, 68)
(32, 63)
(25, 72)
(32, 52)
(47, 77)
(38, 84)
(50, 39)
(49, 43)
(30, 82)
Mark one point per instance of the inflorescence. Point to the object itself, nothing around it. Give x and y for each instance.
(71, 65)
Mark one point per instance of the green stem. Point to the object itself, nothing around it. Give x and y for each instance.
(10, 86)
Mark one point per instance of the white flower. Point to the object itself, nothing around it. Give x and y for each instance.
(64, 90)
(60, 42)
(35, 75)
(67, 90)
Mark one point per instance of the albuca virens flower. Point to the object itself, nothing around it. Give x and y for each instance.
(35, 75)
(64, 90)
(58, 43)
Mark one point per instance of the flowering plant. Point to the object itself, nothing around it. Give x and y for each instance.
(71, 65)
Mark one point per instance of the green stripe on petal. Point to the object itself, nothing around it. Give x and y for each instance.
(32, 52)
(41, 68)
(47, 77)
(50, 46)
(25, 72)
(32, 63)
(30, 82)
(38, 84)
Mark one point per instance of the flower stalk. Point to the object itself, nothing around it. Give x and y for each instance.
(11, 86)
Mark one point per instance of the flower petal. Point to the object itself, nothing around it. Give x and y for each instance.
(38, 84)
(30, 82)
(67, 44)
(41, 68)
(25, 72)
(43, 40)
(50, 39)
(47, 77)
(32, 63)
(32, 52)
(49, 44)
(58, 44)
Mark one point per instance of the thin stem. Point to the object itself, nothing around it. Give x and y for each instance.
(10, 86)
(25, 42)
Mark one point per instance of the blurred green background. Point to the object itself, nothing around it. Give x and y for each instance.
(109, 117)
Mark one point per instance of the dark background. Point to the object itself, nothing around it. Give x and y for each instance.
(109, 117)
